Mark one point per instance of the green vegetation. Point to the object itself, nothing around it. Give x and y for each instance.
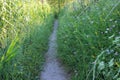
(25, 26)
(89, 39)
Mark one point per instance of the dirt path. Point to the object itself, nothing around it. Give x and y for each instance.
(52, 68)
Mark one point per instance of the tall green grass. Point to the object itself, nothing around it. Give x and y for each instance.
(88, 39)
(24, 30)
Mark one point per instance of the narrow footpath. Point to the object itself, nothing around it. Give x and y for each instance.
(52, 68)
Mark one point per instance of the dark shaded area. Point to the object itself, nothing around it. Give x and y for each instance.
(56, 15)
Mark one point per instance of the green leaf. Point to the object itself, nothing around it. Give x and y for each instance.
(111, 63)
(101, 65)
(118, 79)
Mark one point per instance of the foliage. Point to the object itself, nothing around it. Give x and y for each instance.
(88, 39)
(24, 29)
(58, 4)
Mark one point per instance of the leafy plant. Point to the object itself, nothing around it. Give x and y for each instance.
(86, 37)
(24, 30)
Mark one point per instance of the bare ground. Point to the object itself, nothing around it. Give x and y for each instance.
(52, 67)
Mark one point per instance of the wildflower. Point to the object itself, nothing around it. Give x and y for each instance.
(107, 29)
(102, 32)
(106, 32)
(75, 71)
(111, 51)
(110, 20)
(87, 36)
(74, 52)
(116, 53)
(115, 21)
(113, 26)
(117, 39)
(92, 22)
(108, 51)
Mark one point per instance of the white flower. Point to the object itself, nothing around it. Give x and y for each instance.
(108, 51)
(113, 26)
(115, 21)
(106, 31)
(110, 20)
(116, 53)
(92, 22)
